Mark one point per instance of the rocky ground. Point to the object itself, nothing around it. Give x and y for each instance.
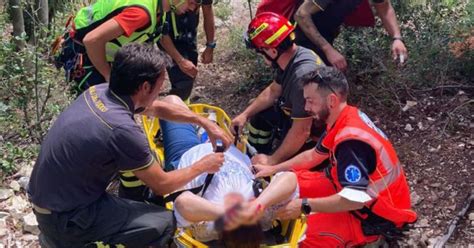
(433, 136)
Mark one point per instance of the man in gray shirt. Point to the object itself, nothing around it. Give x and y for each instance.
(279, 110)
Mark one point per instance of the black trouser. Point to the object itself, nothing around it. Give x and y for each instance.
(302, 40)
(266, 126)
(272, 125)
(328, 23)
(184, 39)
(110, 220)
(181, 83)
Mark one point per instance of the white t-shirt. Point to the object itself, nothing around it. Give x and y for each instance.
(233, 176)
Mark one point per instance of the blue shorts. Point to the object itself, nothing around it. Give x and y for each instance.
(178, 138)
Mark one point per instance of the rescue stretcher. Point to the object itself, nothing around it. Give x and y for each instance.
(291, 231)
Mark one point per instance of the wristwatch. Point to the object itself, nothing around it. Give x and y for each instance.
(211, 44)
(305, 207)
(398, 38)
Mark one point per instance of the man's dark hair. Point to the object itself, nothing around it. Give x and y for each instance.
(135, 64)
(243, 237)
(286, 44)
(329, 80)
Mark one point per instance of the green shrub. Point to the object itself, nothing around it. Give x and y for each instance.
(223, 10)
(13, 156)
(33, 92)
(428, 31)
(255, 73)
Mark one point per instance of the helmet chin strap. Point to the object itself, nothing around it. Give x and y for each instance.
(273, 60)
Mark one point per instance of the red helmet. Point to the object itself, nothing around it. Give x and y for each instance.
(268, 30)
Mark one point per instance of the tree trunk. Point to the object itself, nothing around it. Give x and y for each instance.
(18, 23)
(43, 12)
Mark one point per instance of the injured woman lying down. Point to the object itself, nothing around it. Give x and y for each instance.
(229, 202)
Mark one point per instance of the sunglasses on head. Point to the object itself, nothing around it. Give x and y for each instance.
(321, 81)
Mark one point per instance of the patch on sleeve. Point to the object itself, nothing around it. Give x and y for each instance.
(352, 174)
(371, 124)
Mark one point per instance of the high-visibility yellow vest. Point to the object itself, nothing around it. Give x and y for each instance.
(94, 15)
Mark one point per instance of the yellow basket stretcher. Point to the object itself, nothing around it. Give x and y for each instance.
(293, 231)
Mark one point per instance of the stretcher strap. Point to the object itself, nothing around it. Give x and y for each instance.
(171, 197)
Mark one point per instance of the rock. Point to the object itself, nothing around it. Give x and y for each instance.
(3, 232)
(423, 241)
(423, 222)
(415, 198)
(435, 185)
(25, 169)
(409, 105)
(29, 237)
(219, 23)
(471, 216)
(3, 223)
(15, 186)
(420, 126)
(452, 207)
(432, 241)
(5, 193)
(408, 127)
(30, 225)
(23, 181)
(17, 206)
(412, 243)
(432, 149)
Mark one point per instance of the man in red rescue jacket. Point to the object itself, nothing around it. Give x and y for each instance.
(363, 194)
